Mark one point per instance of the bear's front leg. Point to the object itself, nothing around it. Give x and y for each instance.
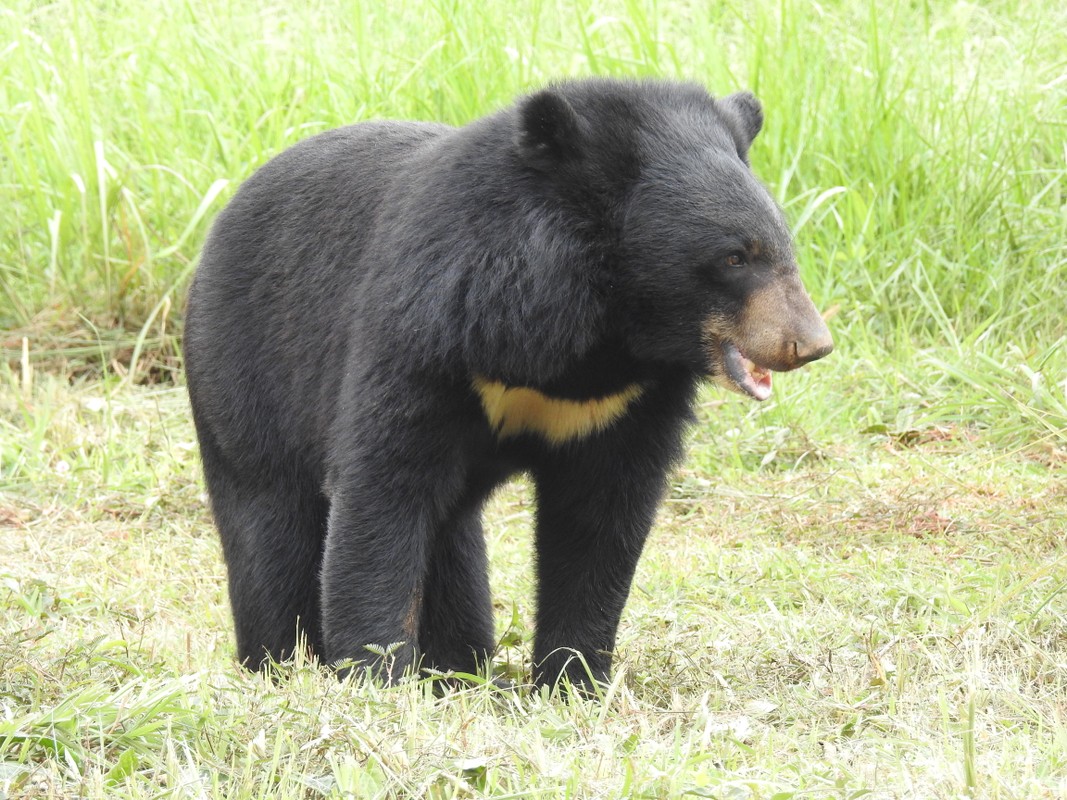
(456, 626)
(386, 510)
(595, 506)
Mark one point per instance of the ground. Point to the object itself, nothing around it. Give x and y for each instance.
(884, 616)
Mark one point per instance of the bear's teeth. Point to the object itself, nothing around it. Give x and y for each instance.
(761, 379)
(746, 376)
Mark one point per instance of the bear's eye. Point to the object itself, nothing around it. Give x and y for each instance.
(735, 260)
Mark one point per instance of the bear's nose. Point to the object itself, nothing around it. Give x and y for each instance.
(807, 351)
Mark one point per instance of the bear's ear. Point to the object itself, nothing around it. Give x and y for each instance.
(549, 131)
(747, 114)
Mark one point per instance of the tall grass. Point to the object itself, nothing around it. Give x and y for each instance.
(918, 148)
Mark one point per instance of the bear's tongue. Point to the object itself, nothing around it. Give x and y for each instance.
(752, 380)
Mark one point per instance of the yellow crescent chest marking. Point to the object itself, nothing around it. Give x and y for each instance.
(515, 410)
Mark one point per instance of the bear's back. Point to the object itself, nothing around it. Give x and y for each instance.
(310, 207)
(291, 238)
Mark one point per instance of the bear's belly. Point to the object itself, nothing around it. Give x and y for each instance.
(512, 411)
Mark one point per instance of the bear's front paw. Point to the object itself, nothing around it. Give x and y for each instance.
(385, 664)
(569, 671)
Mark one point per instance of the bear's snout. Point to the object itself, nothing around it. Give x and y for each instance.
(780, 328)
(808, 338)
(807, 350)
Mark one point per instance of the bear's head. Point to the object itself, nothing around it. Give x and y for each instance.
(697, 260)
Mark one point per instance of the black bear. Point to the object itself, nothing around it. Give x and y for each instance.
(390, 319)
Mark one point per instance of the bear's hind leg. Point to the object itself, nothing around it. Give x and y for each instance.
(272, 536)
(456, 623)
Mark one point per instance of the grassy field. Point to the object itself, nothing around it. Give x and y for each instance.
(858, 589)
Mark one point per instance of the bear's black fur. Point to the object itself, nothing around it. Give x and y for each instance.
(390, 319)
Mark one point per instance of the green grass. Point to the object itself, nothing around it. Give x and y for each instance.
(918, 149)
(858, 588)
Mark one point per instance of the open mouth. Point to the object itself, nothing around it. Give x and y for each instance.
(744, 375)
